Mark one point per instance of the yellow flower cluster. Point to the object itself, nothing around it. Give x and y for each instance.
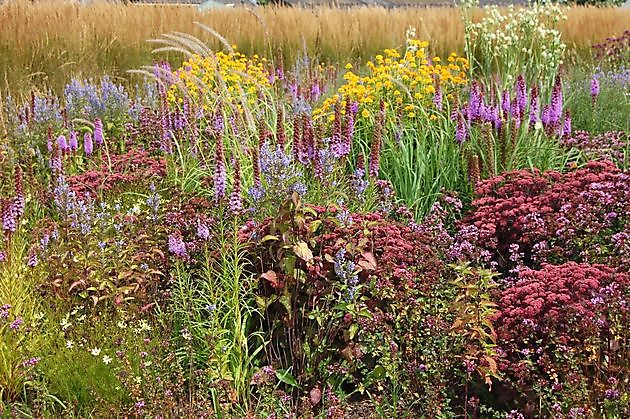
(406, 82)
(233, 76)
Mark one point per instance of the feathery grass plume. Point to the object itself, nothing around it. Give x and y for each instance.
(236, 200)
(377, 138)
(220, 175)
(280, 134)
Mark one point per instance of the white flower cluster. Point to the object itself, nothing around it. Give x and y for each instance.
(518, 41)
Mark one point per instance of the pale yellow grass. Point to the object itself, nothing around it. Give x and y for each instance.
(45, 43)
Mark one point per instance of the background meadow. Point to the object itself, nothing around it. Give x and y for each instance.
(390, 213)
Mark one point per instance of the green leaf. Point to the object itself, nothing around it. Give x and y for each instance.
(286, 377)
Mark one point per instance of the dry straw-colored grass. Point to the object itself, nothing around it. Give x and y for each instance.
(46, 42)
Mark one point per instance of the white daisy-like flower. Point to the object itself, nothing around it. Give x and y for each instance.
(107, 360)
(69, 344)
(95, 351)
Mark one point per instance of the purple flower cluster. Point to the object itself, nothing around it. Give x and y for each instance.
(177, 246)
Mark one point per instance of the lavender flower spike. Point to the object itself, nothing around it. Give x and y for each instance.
(88, 145)
(99, 138)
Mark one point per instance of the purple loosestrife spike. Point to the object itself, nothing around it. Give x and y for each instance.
(62, 143)
(316, 91)
(56, 164)
(545, 117)
(521, 96)
(236, 200)
(437, 99)
(88, 145)
(99, 137)
(309, 138)
(49, 141)
(476, 102)
(566, 128)
(280, 134)
(32, 257)
(19, 202)
(256, 165)
(203, 232)
(534, 107)
(594, 89)
(505, 104)
(9, 219)
(375, 154)
(555, 112)
(296, 146)
(337, 145)
(73, 142)
(351, 112)
(177, 246)
(220, 175)
(461, 133)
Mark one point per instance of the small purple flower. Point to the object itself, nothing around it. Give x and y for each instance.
(202, 231)
(16, 324)
(437, 99)
(177, 246)
(32, 258)
(594, 88)
(461, 134)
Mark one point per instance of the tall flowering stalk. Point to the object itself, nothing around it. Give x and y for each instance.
(296, 145)
(534, 107)
(375, 154)
(88, 145)
(220, 175)
(594, 90)
(336, 141)
(280, 134)
(236, 200)
(99, 137)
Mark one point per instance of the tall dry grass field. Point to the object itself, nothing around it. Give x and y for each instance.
(43, 44)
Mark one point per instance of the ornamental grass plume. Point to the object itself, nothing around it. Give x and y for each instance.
(375, 154)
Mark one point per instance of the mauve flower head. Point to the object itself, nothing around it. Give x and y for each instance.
(3, 257)
(534, 107)
(177, 246)
(505, 103)
(62, 143)
(437, 99)
(73, 142)
(88, 145)
(594, 87)
(202, 231)
(461, 134)
(99, 137)
(521, 96)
